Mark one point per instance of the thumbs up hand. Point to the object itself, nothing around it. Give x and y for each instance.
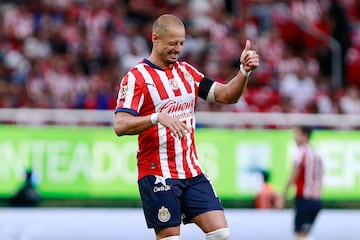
(249, 58)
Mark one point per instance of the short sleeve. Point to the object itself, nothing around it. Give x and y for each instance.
(130, 95)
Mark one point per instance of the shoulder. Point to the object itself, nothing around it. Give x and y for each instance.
(184, 64)
(189, 69)
(137, 72)
(141, 66)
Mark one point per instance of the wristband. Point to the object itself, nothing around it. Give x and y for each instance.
(154, 118)
(244, 72)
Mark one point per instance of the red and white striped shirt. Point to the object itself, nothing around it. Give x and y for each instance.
(147, 89)
(310, 177)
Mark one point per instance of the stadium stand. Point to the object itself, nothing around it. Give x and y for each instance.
(72, 54)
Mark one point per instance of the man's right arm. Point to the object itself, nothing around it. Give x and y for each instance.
(128, 124)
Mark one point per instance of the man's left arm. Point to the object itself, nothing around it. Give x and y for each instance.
(232, 91)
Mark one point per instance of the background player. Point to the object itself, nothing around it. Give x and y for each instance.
(307, 176)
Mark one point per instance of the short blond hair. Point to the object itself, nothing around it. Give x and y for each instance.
(162, 23)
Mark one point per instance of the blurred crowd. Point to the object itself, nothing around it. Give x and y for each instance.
(73, 53)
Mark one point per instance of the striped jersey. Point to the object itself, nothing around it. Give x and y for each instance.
(147, 89)
(310, 177)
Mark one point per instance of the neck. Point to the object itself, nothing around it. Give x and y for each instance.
(159, 62)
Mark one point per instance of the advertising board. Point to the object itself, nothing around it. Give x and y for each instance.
(92, 162)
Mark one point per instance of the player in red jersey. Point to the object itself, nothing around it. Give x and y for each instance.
(157, 101)
(307, 176)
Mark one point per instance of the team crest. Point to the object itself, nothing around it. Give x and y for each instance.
(173, 84)
(188, 77)
(164, 214)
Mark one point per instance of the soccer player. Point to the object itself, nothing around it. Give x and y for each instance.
(157, 100)
(307, 176)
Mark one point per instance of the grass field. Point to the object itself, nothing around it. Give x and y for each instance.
(129, 224)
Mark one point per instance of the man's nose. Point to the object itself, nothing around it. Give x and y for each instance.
(178, 48)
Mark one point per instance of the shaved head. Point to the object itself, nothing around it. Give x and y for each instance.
(168, 37)
(163, 23)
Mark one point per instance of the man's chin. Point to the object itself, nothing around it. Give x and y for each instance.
(172, 61)
(172, 58)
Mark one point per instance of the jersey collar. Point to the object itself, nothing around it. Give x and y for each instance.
(153, 65)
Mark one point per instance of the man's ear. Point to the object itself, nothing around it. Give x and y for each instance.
(154, 38)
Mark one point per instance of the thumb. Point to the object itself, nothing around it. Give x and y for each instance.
(247, 45)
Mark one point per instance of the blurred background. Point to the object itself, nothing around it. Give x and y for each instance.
(61, 62)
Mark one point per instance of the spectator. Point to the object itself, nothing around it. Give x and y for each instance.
(97, 36)
(261, 9)
(326, 101)
(340, 32)
(267, 196)
(299, 87)
(27, 195)
(350, 102)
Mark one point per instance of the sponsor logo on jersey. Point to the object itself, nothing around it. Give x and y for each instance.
(181, 110)
(172, 106)
(164, 187)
